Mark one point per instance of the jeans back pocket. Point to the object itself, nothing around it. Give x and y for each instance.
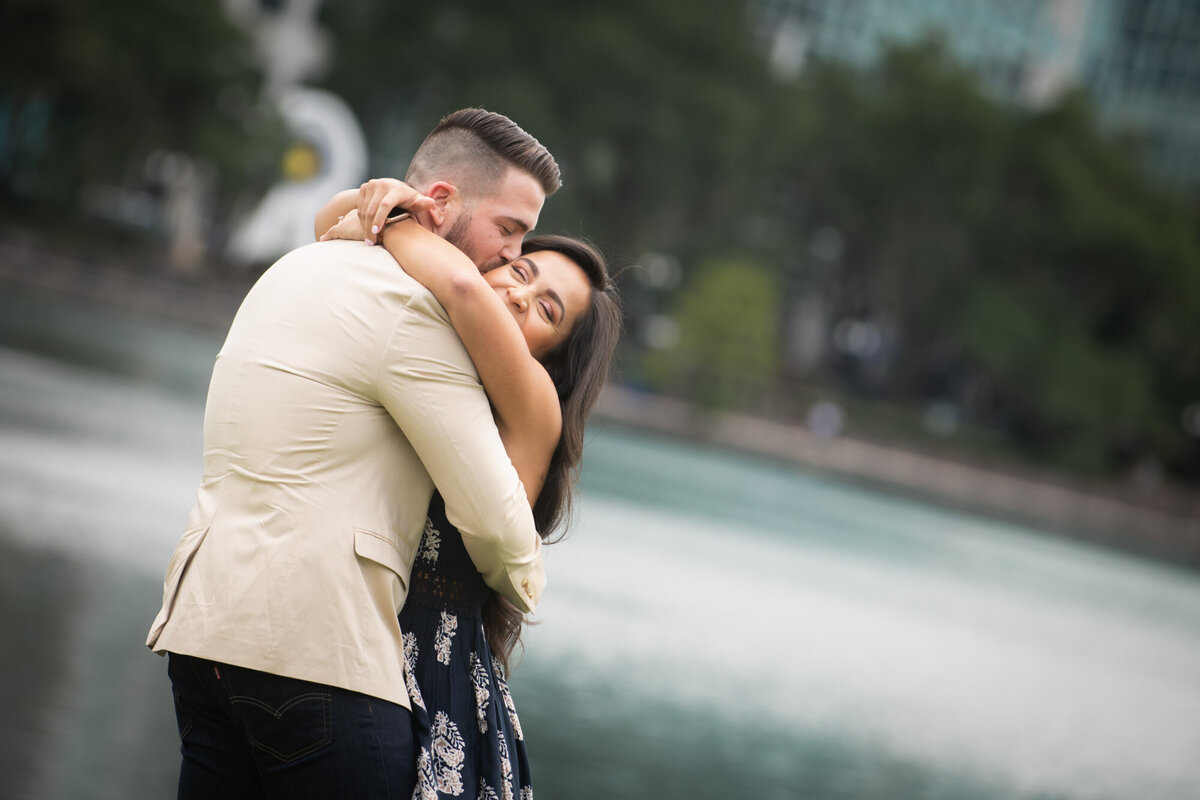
(286, 727)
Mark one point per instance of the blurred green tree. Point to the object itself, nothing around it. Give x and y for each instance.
(88, 90)
(1028, 267)
(1105, 264)
(727, 348)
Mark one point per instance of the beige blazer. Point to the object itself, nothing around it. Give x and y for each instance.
(340, 398)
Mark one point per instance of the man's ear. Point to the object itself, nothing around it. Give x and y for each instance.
(445, 198)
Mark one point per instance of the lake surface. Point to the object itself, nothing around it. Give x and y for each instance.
(714, 625)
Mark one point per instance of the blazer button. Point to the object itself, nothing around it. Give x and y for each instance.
(525, 586)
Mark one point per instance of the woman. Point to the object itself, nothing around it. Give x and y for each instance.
(541, 332)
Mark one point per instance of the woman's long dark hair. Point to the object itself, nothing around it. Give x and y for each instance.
(579, 367)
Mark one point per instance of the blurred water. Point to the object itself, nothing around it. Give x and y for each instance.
(714, 626)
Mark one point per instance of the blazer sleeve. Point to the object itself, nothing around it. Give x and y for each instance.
(429, 386)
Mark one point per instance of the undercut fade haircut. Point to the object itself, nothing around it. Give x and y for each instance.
(473, 149)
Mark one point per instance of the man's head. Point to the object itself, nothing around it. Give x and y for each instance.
(488, 179)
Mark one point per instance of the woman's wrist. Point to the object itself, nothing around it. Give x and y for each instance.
(398, 215)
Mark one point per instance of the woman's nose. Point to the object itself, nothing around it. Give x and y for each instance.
(519, 297)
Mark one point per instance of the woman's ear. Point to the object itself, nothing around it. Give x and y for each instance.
(445, 198)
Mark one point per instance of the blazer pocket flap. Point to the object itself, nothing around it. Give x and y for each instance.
(395, 555)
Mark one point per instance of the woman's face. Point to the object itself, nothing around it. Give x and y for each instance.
(546, 292)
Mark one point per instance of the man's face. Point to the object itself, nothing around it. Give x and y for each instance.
(491, 229)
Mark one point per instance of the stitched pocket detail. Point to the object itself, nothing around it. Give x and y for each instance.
(296, 728)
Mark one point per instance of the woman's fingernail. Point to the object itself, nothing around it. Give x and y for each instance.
(374, 229)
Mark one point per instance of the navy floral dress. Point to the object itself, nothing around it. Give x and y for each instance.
(469, 740)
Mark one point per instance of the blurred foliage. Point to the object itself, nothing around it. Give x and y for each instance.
(727, 351)
(89, 90)
(1031, 271)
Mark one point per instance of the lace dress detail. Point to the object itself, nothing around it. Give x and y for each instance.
(469, 740)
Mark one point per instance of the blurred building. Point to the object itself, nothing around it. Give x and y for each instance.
(1143, 69)
(1138, 59)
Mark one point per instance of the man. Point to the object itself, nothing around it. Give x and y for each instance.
(341, 397)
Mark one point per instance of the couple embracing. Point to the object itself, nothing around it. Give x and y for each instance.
(393, 426)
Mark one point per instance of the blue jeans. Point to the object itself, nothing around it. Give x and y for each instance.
(249, 734)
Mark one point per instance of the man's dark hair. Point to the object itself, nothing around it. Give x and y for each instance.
(473, 148)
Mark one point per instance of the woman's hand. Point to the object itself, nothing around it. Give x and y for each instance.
(377, 198)
(347, 227)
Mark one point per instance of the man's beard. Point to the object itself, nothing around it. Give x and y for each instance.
(458, 236)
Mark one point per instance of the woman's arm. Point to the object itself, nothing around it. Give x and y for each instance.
(375, 200)
(332, 212)
(523, 397)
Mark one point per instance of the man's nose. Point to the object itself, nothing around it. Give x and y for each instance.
(510, 251)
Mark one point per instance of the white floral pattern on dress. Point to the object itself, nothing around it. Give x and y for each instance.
(479, 677)
(426, 788)
(502, 686)
(410, 667)
(455, 753)
(431, 541)
(506, 772)
(447, 758)
(445, 635)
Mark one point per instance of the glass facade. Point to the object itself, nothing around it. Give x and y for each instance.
(1139, 59)
(1143, 69)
